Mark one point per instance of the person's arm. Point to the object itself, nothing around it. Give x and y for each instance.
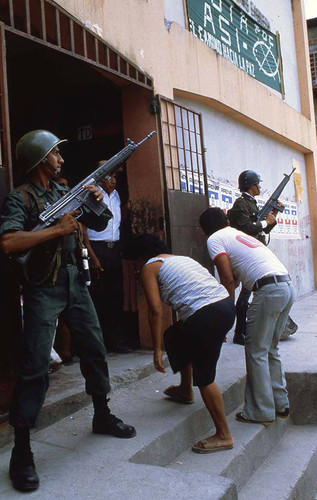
(149, 281)
(270, 221)
(19, 241)
(225, 273)
(95, 263)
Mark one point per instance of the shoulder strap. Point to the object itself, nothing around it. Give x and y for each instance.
(23, 190)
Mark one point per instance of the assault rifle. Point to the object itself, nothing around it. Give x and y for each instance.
(78, 197)
(272, 202)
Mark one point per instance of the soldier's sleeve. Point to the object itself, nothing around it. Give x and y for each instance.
(241, 218)
(14, 214)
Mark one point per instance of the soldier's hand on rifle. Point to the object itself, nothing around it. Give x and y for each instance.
(68, 224)
(279, 204)
(270, 218)
(95, 191)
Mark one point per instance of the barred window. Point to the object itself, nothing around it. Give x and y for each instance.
(313, 65)
(182, 146)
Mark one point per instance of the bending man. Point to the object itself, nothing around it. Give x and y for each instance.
(207, 314)
(242, 257)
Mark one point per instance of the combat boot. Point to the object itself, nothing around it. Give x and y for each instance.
(22, 471)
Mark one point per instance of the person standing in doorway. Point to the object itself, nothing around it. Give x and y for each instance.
(104, 249)
(52, 284)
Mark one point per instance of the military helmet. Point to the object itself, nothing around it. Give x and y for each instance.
(248, 178)
(34, 146)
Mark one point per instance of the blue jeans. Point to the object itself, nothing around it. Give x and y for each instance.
(265, 390)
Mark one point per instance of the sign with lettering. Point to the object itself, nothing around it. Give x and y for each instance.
(228, 29)
(84, 133)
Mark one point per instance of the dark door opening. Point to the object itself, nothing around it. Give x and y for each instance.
(51, 90)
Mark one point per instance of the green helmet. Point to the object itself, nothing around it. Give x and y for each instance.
(34, 146)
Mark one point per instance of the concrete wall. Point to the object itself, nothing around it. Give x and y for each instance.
(247, 125)
(232, 147)
(177, 60)
(280, 16)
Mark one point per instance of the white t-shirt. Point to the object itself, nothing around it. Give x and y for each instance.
(249, 259)
(187, 286)
(112, 231)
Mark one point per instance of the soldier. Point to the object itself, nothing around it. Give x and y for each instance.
(243, 216)
(52, 283)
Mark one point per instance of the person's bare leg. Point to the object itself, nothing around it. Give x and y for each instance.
(213, 400)
(182, 393)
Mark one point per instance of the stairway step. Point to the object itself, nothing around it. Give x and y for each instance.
(290, 471)
(253, 443)
(67, 450)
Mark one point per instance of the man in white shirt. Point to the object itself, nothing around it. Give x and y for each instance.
(105, 261)
(241, 257)
(243, 216)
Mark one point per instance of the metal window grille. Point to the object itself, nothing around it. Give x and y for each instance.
(313, 65)
(183, 151)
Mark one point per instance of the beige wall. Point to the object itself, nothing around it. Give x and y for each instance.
(182, 65)
(176, 60)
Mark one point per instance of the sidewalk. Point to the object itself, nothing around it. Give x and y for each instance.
(74, 463)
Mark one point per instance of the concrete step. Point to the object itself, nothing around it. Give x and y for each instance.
(253, 443)
(92, 466)
(66, 393)
(290, 470)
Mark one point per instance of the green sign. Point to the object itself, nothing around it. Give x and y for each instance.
(226, 28)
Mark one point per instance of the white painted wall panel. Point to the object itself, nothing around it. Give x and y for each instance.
(233, 147)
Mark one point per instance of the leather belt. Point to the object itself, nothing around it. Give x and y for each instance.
(269, 280)
(108, 244)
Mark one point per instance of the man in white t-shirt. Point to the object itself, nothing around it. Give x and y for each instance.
(241, 257)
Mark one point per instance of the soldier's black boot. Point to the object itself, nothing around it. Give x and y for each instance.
(22, 470)
(106, 423)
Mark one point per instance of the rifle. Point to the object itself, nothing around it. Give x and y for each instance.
(272, 202)
(78, 197)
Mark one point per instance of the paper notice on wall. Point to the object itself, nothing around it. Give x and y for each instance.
(213, 193)
(260, 202)
(287, 223)
(294, 221)
(298, 187)
(226, 197)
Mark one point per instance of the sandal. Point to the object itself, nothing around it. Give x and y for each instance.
(172, 392)
(206, 447)
(240, 416)
(283, 413)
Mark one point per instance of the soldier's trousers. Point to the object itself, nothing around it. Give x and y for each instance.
(42, 307)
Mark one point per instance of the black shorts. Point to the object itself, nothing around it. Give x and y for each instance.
(199, 339)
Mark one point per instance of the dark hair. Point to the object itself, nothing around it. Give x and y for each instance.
(213, 219)
(146, 246)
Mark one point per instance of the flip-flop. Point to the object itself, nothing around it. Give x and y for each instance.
(240, 416)
(176, 397)
(207, 448)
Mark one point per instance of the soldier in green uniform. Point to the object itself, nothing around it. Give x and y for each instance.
(52, 284)
(243, 216)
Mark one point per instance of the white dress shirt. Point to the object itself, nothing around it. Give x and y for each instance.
(112, 231)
